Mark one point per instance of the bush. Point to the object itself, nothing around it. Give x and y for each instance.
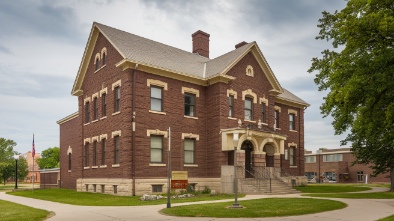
(206, 190)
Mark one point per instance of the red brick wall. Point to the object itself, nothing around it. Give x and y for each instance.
(211, 111)
(345, 166)
(70, 136)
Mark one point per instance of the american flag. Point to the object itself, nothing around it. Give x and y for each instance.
(34, 149)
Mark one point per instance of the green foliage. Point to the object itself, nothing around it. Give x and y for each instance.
(6, 158)
(190, 189)
(268, 207)
(206, 190)
(23, 168)
(15, 212)
(49, 158)
(358, 73)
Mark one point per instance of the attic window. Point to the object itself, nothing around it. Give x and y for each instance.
(103, 59)
(249, 71)
(97, 64)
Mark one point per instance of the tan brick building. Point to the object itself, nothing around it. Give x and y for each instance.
(32, 166)
(131, 90)
(335, 165)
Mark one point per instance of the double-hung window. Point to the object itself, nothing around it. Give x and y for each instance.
(231, 106)
(117, 99)
(69, 161)
(104, 105)
(103, 147)
(248, 110)
(87, 112)
(156, 98)
(292, 156)
(95, 153)
(276, 113)
(189, 151)
(190, 105)
(263, 113)
(156, 149)
(87, 163)
(291, 122)
(117, 149)
(95, 109)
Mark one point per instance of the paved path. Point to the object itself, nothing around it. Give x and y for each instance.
(358, 209)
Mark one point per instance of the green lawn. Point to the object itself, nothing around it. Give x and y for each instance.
(379, 195)
(389, 218)
(97, 199)
(268, 207)
(16, 212)
(11, 186)
(331, 188)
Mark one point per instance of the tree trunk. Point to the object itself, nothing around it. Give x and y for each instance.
(392, 178)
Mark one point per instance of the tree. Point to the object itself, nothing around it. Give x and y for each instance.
(49, 158)
(359, 75)
(6, 158)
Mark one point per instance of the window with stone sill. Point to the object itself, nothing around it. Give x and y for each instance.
(117, 99)
(276, 114)
(156, 149)
(103, 150)
(190, 104)
(95, 109)
(156, 98)
(87, 163)
(231, 106)
(117, 149)
(189, 150)
(87, 112)
(248, 109)
(104, 105)
(263, 113)
(292, 156)
(291, 122)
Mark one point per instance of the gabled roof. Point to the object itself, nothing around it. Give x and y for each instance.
(161, 59)
(288, 97)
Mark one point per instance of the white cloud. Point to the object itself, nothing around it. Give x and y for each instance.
(42, 44)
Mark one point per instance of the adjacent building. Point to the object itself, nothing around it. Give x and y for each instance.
(138, 98)
(32, 167)
(335, 165)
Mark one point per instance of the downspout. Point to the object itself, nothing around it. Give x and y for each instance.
(299, 141)
(133, 130)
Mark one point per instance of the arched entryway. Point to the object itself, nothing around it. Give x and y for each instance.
(247, 146)
(269, 150)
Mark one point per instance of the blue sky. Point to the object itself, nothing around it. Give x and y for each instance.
(42, 43)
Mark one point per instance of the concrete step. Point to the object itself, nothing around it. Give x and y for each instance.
(250, 186)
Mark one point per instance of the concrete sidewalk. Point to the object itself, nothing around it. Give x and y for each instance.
(358, 209)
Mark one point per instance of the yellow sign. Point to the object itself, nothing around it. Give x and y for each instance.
(179, 175)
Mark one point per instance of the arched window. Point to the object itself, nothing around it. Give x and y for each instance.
(103, 58)
(97, 64)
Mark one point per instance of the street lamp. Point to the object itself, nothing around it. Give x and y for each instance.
(235, 142)
(16, 157)
(319, 153)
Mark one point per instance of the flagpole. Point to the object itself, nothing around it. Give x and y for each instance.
(33, 154)
(33, 172)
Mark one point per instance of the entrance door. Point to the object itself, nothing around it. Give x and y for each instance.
(248, 147)
(269, 161)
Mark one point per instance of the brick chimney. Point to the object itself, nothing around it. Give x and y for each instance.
(201, 43)
(240, 44)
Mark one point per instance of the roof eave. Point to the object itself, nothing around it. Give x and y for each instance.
(292, 102)
(149, 68)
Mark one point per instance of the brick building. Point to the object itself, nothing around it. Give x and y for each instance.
(335, 165)
(32, 166)
(131, 90)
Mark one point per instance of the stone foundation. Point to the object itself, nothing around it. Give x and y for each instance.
(123, 187)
